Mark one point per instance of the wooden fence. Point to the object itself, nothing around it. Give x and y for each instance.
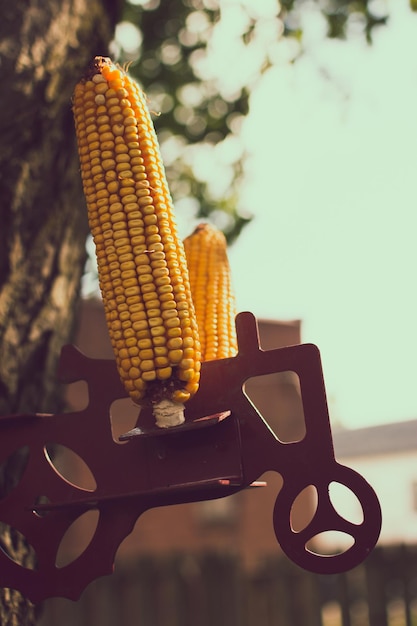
(214, 590)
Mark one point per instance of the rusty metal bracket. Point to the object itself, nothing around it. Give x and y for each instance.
(224, 446)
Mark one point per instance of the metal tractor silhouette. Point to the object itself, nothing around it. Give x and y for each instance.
(224, 446)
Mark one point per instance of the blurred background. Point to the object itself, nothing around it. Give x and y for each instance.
(291, 126)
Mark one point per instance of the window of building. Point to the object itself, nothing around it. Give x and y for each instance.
(221, 511)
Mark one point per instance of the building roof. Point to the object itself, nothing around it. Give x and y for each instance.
(373, 440)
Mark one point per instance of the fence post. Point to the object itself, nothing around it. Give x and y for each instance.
(266, 598)
(222, 579)
(304, 601)
(407, 558)
(375, 582)
(343, 597)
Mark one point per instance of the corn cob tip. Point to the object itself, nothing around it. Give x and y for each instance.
(96, 65)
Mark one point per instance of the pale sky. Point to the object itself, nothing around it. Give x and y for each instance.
(332, 185)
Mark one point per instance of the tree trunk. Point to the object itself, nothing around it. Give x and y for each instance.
(44, 47)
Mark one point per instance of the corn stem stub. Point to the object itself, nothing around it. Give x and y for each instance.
(211, 288)
(141, 261)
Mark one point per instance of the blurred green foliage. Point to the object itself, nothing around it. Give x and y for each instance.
(169, 43)
(341, 15)
(174, 36)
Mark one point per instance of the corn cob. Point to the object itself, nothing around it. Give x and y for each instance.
(211, 288)
(141, 260)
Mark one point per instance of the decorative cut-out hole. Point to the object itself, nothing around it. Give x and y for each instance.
(346, 503)
(76, 395)
(277, 397)
(304, 508)
(13, 469)
(16, 547)
(77, 538)
(70, 466)
(330, 542)
(123, 417)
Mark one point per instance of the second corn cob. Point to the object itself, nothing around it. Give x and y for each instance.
(141, 261)
(211, 288)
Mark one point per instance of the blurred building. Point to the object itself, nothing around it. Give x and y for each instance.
(241, 523)
(386, 456)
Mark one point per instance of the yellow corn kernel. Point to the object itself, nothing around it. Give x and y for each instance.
(142, 265)
(211, 288)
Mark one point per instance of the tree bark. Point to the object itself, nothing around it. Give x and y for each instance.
(44, 47)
